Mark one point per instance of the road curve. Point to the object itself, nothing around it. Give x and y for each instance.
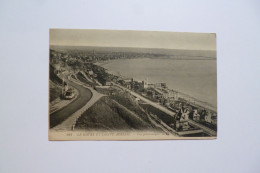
(83, 97)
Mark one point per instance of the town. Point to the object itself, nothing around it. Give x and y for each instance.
(172, 111)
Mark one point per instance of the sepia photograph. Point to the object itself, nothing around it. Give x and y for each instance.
(132, 85)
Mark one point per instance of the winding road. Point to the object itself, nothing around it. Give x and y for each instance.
(61, 115)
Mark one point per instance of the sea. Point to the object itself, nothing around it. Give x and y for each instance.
(197, 78)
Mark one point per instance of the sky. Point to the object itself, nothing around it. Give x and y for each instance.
(125, 38)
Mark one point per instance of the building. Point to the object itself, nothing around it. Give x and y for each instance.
(160, 85)
(109, 83)
(90, 72)
(128, 85)
(127, 80)
(157, 85)
(57, 68)
(196, 115)
(214, 120)
(163, 85)
(144, 84)
(208, 117)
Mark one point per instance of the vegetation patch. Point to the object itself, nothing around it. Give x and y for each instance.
(107, 114)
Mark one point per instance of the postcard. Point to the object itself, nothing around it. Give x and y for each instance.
(132, 85)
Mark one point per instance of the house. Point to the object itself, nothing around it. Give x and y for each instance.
(57, 68)
(91, 72)
(163, 85)
(128, 80)
(196, 115)
(185, 114)
(109, 83)
(208, 117)
(157, 85)
(128, 85)
(160, 85)
(144, 84)
(150, 93)
(150, 85)
(214, 120)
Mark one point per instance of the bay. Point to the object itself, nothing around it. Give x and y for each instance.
(197, 78)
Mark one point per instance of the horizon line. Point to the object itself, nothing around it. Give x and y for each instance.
(132, 47)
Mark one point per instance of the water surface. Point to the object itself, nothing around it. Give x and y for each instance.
(196, 78)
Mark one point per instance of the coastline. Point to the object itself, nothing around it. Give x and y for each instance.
(189, 98)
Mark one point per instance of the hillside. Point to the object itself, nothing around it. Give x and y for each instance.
(108, 114)
(54, 85)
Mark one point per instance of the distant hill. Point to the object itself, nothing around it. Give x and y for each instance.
(170, 52)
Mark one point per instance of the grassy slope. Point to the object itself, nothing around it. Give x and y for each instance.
(163, 116)
(107, 114)
(55, 91)
(127, 101)
(54, 84)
